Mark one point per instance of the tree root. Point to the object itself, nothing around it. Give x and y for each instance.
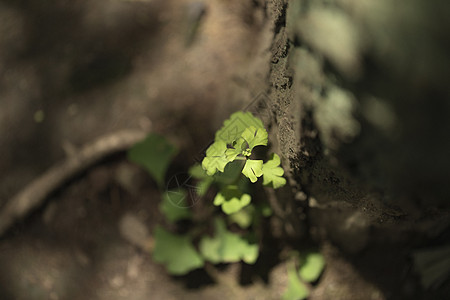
(34, 194)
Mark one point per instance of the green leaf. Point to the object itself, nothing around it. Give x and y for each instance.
(233, 128)
(253, 169)
(235, 204)
(219, 199)
(205, 180)
(255, 137)
(266, 211)
(176, 252)
(203, 186)
(230, 174)
(227, 247)
(296, 289)
(215, 158)
(172, 206)
(272, 172)
(231, 199)
(210, 248)
(197, 172)
(154, 154)
(243, 217)
(238, 146)
(312, 267)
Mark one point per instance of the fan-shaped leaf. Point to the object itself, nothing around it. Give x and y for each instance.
(253, 169)
(173, 206)
(176, 252)
(272, 172)
(227, 247)
(296, 290)
(312, 267)
(154, 154)
(233, 128)
(255, 137)
(215, 158)
(231, 199)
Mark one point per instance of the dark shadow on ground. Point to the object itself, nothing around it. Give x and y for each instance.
(60, 50)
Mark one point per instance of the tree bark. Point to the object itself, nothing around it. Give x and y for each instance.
(359, 92)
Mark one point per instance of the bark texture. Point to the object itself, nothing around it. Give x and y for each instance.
(360, 96)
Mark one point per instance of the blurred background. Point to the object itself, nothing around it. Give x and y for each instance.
(356, 95)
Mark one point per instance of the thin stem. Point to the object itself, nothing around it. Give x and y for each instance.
(240, 158)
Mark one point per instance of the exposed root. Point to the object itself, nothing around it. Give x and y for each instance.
(34, 194)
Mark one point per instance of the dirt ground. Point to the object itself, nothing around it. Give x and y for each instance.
(73, 71)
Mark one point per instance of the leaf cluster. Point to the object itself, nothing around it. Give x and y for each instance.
(180, 256)
(235, 142)
(178, 252)
(230, 165)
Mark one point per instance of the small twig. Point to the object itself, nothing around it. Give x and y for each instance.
(34, 194)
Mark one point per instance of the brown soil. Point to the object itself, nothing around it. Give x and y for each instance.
(73, 71)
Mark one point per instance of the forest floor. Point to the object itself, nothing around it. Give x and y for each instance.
(76, 247)
(73, 72)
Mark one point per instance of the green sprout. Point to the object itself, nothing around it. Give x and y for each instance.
(235, 142)
(230, 165)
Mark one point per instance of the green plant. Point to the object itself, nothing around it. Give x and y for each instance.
(300, 279)
(176, 252)
(154, 154)
(231, 155)
(227, 247)
(230, 166)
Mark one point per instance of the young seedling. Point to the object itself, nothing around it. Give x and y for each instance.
(234, 144)
(229, 164)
